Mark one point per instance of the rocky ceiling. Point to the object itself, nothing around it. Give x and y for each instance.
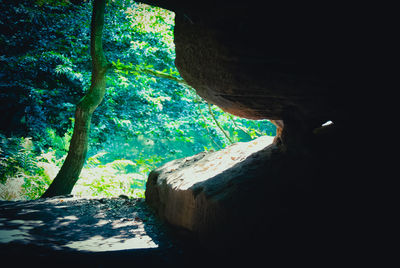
(290, 62)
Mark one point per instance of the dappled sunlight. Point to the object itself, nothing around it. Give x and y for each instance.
(7, 236)
(98, 243)
(19, 233)
(90, 224)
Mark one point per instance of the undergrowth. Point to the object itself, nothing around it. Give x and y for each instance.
(26, 171)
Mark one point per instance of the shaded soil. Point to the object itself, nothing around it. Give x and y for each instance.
(102, 232)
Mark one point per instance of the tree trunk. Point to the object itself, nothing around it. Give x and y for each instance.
(70, 170)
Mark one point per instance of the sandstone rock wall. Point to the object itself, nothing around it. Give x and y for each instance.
(301, 66)
(245, 193)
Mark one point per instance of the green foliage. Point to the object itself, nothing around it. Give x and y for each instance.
(112, 179)
(149, 115)
(24, 171)
(44, 65)
(16, 155)
(108, 180)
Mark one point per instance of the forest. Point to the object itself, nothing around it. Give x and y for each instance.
(148, 115)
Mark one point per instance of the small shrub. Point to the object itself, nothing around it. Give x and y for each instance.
(11, 189)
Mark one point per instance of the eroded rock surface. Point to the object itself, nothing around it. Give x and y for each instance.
(234, 196)
(179, 188)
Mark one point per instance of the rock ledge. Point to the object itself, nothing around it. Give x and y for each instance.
(214, 195)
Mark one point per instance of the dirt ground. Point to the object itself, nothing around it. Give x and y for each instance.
(110, 232)
(99, 232)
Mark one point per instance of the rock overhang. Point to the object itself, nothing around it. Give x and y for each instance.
(312, 68)
(274, 61)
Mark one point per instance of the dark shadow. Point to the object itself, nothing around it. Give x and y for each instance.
(276, 204)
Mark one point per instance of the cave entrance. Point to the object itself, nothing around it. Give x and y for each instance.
(154, 116)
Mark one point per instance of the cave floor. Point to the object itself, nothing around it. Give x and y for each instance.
(96, 231)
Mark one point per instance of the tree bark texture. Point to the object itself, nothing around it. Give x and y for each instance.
(68, 175)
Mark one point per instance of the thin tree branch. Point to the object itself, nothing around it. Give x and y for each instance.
(239, 127)
(172, 78)
(219, 126)
(162, 75)
(205, 123)
(138, 69)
